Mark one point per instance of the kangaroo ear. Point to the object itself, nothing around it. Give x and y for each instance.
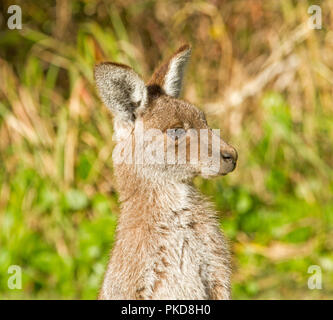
(169, 76)
(121, 89)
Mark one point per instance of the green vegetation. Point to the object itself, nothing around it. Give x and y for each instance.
(260, 74)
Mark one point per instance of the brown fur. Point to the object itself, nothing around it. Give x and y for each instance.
(168, 241)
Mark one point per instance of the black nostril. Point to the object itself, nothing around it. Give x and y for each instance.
(227, 156)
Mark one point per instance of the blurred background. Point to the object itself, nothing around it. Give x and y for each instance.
(259, 72)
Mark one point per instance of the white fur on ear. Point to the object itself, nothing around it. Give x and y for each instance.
(121, 89)
(174, 76)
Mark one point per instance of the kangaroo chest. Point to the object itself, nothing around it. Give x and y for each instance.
(182, 258)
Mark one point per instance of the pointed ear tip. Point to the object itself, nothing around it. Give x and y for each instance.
(108, 64)
(107, 67)
(185, 47)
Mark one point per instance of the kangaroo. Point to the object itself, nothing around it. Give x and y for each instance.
(168, 241)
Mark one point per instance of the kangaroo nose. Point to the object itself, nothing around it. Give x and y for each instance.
(230, 155)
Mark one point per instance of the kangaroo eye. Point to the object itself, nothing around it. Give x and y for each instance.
(176, 133)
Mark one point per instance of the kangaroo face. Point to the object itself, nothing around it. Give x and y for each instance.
(161, 134)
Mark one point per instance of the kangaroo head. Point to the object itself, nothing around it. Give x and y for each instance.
(161, 135)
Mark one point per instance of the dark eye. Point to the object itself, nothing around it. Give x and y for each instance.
(176, 133)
